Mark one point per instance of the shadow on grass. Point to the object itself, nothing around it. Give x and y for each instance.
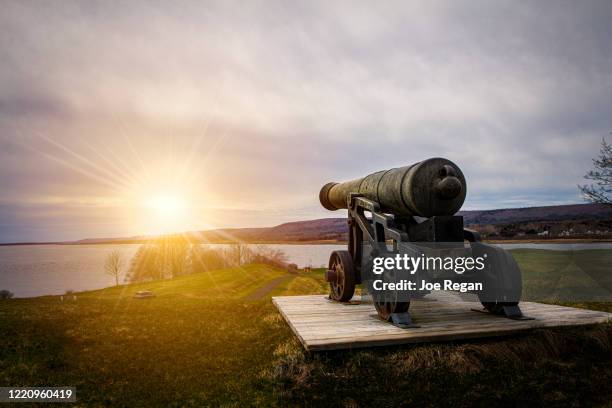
(565, 367)
(33, 352)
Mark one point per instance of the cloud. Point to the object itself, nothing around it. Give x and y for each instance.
(256, 105)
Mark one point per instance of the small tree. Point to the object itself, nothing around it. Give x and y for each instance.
(113, 265)
(601, 191)
(238, 254)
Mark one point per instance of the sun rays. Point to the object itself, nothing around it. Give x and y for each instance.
(149, 188)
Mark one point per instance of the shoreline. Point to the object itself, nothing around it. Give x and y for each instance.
(313, 242)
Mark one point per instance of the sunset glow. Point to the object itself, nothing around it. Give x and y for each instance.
(167, 212)
(166, 204)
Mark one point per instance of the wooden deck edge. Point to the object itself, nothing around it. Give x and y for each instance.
(397, 338)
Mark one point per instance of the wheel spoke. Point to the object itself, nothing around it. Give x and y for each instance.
(343, 286)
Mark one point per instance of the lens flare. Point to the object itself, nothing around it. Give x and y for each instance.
(166, 204)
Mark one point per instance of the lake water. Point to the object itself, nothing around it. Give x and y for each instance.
(35, 270)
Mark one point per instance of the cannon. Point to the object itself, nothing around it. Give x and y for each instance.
(411, 204)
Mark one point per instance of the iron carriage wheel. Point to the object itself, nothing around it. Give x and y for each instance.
(502, 260)
(343, 286)
(390, 305)
(387, 304)
(387, 307)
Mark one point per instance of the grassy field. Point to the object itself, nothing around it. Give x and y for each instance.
(565, 276)
(215, 339)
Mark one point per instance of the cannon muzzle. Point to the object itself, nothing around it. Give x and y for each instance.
(431, 187)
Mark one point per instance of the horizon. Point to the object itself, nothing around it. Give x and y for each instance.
(150, 118)
(136, 237)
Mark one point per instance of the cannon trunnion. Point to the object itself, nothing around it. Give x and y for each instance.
(411, 204)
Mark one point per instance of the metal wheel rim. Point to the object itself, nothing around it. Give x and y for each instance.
(338, 286)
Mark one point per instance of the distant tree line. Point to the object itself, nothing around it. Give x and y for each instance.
(587, 229)
(175, 256)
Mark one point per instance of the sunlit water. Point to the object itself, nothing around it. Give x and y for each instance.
(35, 270)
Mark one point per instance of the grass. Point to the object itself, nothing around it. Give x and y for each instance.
(565, 276)
(200, 342)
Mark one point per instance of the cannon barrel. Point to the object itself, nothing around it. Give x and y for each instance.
(431, 187)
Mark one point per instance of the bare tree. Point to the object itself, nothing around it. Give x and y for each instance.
(601, 174)
(238, 254)
(266, 255)
(114, 264)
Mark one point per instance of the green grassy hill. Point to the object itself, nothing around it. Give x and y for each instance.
(215, 339)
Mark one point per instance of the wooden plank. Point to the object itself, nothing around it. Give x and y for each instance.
(320, 324)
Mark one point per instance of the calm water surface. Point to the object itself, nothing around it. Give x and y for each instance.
(35, 270)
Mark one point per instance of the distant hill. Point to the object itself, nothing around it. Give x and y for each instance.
(336, 229)
(324, 229)
(120, 240)
(505, 222)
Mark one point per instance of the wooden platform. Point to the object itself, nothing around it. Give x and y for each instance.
(324, 325)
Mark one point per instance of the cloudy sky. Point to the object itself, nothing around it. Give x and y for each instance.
(235, 113)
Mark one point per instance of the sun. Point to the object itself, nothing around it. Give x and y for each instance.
(166, 204)
(166, 212)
